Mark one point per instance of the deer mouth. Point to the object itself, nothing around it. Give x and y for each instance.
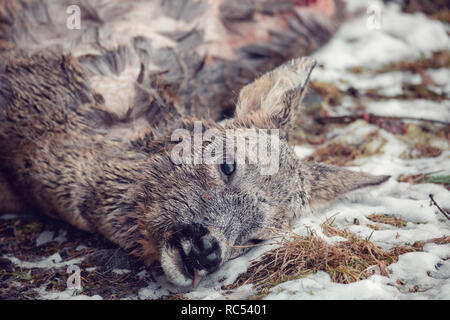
(175, 270)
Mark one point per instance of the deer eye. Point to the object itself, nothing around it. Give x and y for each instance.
(227, 168)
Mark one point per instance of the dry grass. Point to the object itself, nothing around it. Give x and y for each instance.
(427, 151)
(342, 154)
(425, 141)
(388, 219)
(436, 9)
(439, 59)
(426, 178)
(331, 94)
(348, 261)
(299, 256)
(336, 153)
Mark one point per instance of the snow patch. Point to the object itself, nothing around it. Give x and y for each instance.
(54, 261)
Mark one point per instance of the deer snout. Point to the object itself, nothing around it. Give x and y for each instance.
(191, 253)
(204, 257)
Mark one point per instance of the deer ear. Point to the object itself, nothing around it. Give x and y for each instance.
(271, 101)
(328, 183)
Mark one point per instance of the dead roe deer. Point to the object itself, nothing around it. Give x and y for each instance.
(87, 122)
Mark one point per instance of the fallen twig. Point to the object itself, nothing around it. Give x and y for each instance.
(440, 209)
(370, 118)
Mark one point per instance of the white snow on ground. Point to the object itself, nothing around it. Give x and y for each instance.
(47, 236)
(53, 261)
(303, 151)
(440, 78)
(69, 294)
(402, 36)
(417, 108)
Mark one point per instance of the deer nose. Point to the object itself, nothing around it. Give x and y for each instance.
(199, 250)
(206, 253)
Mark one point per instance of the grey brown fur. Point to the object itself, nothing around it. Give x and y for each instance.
(66, 153)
